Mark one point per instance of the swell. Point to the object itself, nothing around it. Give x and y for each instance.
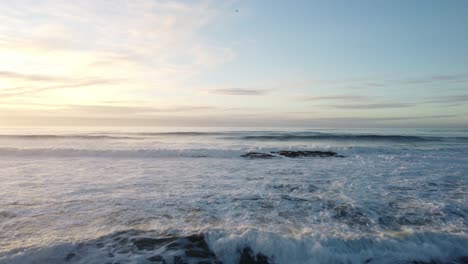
(350, 137)
(248, 135)
(247, 153)
(129, 135)
(128, 153)
(51, 136)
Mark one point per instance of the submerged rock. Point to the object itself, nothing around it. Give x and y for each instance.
(300, 154)
(290, 154)
(351, 215)
(257, 155)
(157, 258)
(145, 243)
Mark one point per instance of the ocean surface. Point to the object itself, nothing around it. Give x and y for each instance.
(185, 195)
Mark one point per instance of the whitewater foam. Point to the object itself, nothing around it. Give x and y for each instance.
(66, 199)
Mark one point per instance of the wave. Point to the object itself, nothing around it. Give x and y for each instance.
(41, 136)
(116, 135)
(245, 153)
(129, 153)
(188, 133)
(250, 136)
(248, 246)
(349, 137)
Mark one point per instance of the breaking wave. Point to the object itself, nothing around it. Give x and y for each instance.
(248, 246)
(250, 136)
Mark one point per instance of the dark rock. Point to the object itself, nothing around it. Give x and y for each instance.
(389, 222)
(351, 215)
(248, 258)
(157, 258)
(301, 154)
(179, 260)
(290, 154)
(145, 243)
(287, 187)
(196, 238)
(198, 253)
(173, 245)
(293, 199)
(70, 256)
(257, 155)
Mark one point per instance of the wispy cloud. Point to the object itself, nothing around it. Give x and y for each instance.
(155, 44)
(448, 99)
(31, 77)
(376, 82)
(239, 91)
(334, 98)
(139, 110)
(373, 106)
(460, 77)
(21, 91)
(123, 111)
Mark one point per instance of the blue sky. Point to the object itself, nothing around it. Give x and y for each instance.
(234, 63)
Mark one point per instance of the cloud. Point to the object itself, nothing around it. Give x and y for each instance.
(239, 91)
(21, 91)
(402, 118)
(334, 98)
(448, 99)
(31, 77)
(118, 110)
(373, 106)
(459, 77)
(366, 83)
(155, 44)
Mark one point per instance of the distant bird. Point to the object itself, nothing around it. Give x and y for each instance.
(237, 10)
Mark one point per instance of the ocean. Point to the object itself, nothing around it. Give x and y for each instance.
(233, 195)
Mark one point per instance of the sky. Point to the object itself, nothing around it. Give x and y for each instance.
(310, 63)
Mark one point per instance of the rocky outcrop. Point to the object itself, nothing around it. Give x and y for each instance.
(290, 154)
(257, 155)
(247, 257)
(300, 154)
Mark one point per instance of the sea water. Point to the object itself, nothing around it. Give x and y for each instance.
(82, 195)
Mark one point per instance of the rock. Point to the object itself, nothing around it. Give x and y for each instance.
(196, 238)
(257, 155)
(70, 256)
(178, 260)
(157, 258)
(290, 154)
(351, 215)
(145, 243)
(198, 253)
(301, 154)
(248, 258)
(293, 199)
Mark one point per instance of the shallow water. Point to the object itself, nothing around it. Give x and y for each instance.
(397, 196)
